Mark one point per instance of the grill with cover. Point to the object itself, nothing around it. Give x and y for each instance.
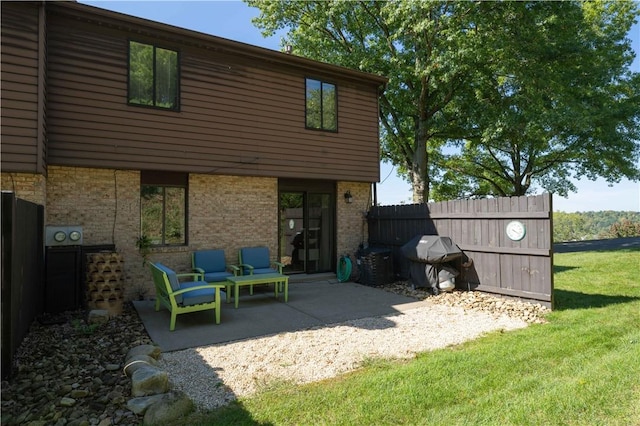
(431, 258)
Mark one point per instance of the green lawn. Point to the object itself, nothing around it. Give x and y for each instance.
(582, 368)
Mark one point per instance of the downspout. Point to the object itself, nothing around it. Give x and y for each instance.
(375, 193)
(381, 89)
(42, 89)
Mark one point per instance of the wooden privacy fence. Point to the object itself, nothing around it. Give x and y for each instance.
(22, 272)
(510, 267)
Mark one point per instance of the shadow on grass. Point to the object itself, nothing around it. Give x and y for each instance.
(565, 299)
(232, 414)
(558, 268)
(630, 243)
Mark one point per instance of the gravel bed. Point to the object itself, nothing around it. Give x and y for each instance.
(214, 375)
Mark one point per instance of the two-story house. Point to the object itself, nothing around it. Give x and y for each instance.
(126, 127)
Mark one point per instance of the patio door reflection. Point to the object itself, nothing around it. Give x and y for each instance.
(306, 232)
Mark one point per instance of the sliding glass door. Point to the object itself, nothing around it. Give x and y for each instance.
(307, 231)
(292, 238)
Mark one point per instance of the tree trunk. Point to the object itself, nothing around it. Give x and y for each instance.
(419, 170)
(420, 189)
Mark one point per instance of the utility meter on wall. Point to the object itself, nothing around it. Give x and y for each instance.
(75, 236)
(63, 235)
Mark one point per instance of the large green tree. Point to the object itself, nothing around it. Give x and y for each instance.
(522, 92)
(426, 49)
(555, 101)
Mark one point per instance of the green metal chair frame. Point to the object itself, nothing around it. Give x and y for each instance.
(172, 299)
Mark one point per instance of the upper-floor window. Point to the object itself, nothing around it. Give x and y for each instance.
(321, 105)
(153, 76)
(163, 207)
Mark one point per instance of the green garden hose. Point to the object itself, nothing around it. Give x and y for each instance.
(344, 269)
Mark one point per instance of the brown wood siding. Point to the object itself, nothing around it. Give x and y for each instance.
(22, 81)
(238, 116)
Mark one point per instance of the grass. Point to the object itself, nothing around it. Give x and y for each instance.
(582, 368)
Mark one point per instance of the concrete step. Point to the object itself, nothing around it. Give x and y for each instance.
(322, 276)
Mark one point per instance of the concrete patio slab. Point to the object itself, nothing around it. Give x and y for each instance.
(311, 304)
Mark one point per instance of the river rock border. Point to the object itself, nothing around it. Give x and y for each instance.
(68, 371)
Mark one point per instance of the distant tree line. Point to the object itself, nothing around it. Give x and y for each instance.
(595, 225)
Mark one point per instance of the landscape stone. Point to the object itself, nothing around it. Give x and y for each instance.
(171, 407)
(149, 380)
(152, 351)
(140, 404)
(67, 402)
(98, 316)
(138, 361)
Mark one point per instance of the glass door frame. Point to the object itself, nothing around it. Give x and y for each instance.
(321, 257)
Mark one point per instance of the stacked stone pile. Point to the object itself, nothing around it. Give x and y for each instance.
(474, 300)
(528, 312)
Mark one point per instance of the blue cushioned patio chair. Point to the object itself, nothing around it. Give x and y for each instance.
(184, 297)
(212, 265)
(255, 260)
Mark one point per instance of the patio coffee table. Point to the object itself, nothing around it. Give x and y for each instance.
(277, 279)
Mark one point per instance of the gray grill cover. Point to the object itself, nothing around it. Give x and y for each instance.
(431, 249)
(428, 255)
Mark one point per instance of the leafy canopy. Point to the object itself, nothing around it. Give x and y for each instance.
(485, 98)
(557, 100)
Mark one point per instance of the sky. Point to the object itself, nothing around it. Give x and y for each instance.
(232, 20)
